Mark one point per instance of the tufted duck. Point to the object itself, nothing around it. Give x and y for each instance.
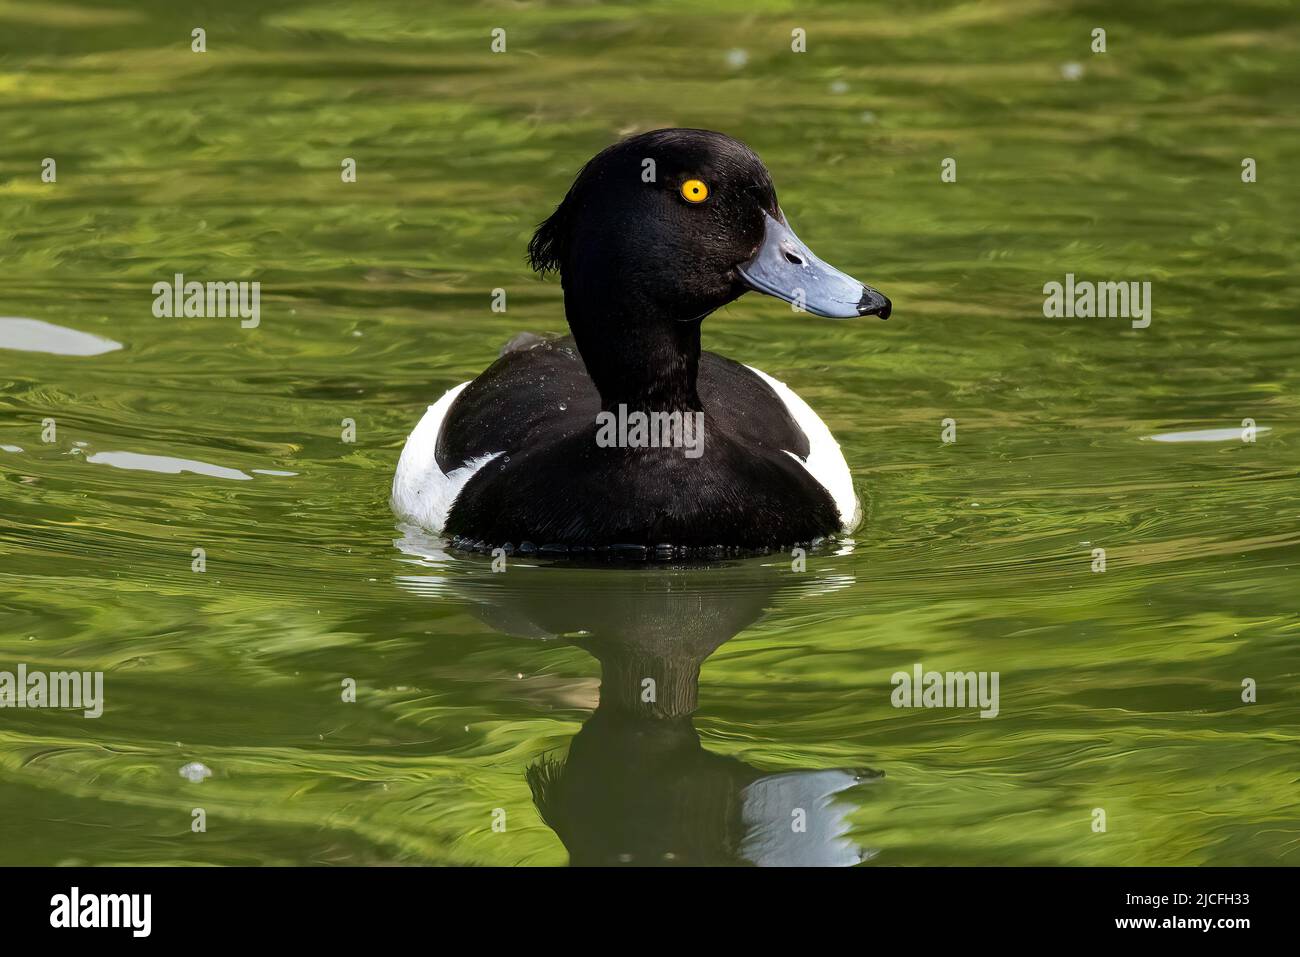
(656, 232)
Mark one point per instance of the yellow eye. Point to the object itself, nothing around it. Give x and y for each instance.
(694, 191)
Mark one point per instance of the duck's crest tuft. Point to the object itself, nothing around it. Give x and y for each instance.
(550, 244)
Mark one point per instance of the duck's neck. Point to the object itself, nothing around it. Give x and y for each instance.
(637, 357)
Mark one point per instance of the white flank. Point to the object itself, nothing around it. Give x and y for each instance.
(422, 492)
(825, 461)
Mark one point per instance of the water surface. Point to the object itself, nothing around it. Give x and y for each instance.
(478, 693)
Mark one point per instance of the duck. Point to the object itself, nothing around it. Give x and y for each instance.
(624, 437)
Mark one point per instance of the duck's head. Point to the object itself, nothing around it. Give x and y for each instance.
(658, 231)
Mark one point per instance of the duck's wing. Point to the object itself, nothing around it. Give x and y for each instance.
(763, 411)
(742, 403)
(536, 392)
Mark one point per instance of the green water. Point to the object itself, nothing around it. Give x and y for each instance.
(1119, 690)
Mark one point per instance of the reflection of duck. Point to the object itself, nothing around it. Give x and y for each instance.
(515, 455)
(637, 786)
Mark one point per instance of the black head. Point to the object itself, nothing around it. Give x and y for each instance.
(658, 231)
(627, 221)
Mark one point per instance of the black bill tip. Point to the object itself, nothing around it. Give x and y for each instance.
(873, 303)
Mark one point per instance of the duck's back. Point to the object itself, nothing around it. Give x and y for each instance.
(511, 457)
